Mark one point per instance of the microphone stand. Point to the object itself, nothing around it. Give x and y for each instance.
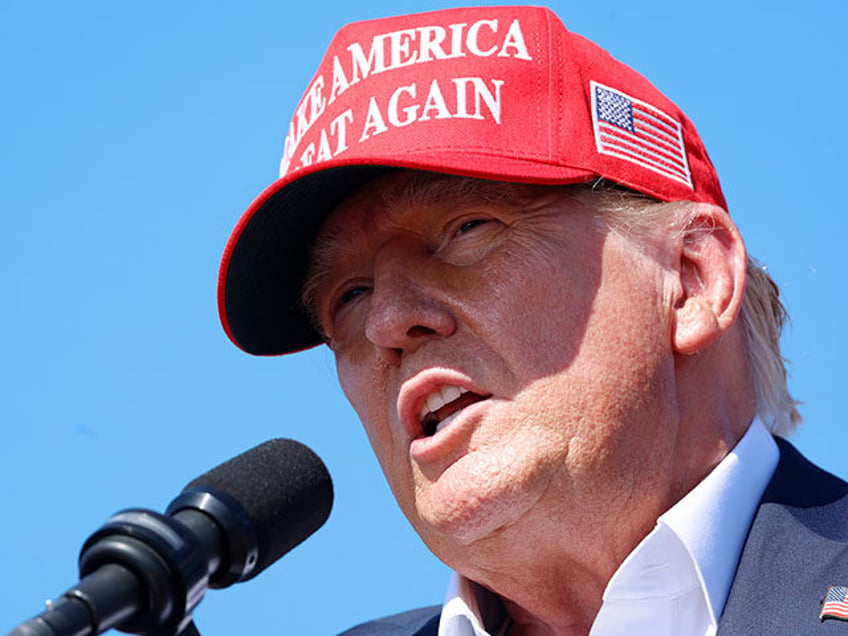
(141, 572)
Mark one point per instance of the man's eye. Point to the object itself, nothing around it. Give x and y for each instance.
(470, 225)
(341, 301)
(350, 294)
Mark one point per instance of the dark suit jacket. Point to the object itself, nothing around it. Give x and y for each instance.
(796, 547)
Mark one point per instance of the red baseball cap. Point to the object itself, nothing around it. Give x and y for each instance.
(502, 93)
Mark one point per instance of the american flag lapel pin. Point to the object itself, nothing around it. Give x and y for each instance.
(835, 603)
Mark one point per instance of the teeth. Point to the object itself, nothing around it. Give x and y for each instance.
(437, 400)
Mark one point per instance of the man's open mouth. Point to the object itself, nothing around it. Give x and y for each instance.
(440, 407)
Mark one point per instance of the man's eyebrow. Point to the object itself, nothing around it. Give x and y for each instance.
(321, 253)
(435, 189)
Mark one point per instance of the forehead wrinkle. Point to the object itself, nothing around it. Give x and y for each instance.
(425, 189)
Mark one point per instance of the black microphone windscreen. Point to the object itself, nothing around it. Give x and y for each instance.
(284, 488)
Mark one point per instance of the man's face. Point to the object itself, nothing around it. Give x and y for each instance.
(508, 356)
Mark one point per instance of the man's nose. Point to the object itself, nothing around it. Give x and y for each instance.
(407, 304)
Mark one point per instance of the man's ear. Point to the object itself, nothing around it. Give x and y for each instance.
(712, 270)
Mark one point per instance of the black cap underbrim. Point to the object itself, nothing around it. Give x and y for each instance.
(263, 270)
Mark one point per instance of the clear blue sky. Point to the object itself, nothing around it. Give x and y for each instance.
(133, 136)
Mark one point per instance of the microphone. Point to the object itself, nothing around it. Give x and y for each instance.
(143, 572)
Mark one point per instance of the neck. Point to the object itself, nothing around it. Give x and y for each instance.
(551, 570)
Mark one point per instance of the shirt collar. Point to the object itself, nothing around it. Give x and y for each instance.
(469, 610)
(712, 520)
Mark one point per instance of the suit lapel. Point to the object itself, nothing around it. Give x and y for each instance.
(797, 546)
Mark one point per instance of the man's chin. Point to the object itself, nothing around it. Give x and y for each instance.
(475, 499)
(450, 527)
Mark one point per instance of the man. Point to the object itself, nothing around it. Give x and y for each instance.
(519, 253)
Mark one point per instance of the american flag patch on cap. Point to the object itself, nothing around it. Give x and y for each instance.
(637, 132)
(835, 604)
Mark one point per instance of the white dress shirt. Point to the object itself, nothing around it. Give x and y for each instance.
(676, 581)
